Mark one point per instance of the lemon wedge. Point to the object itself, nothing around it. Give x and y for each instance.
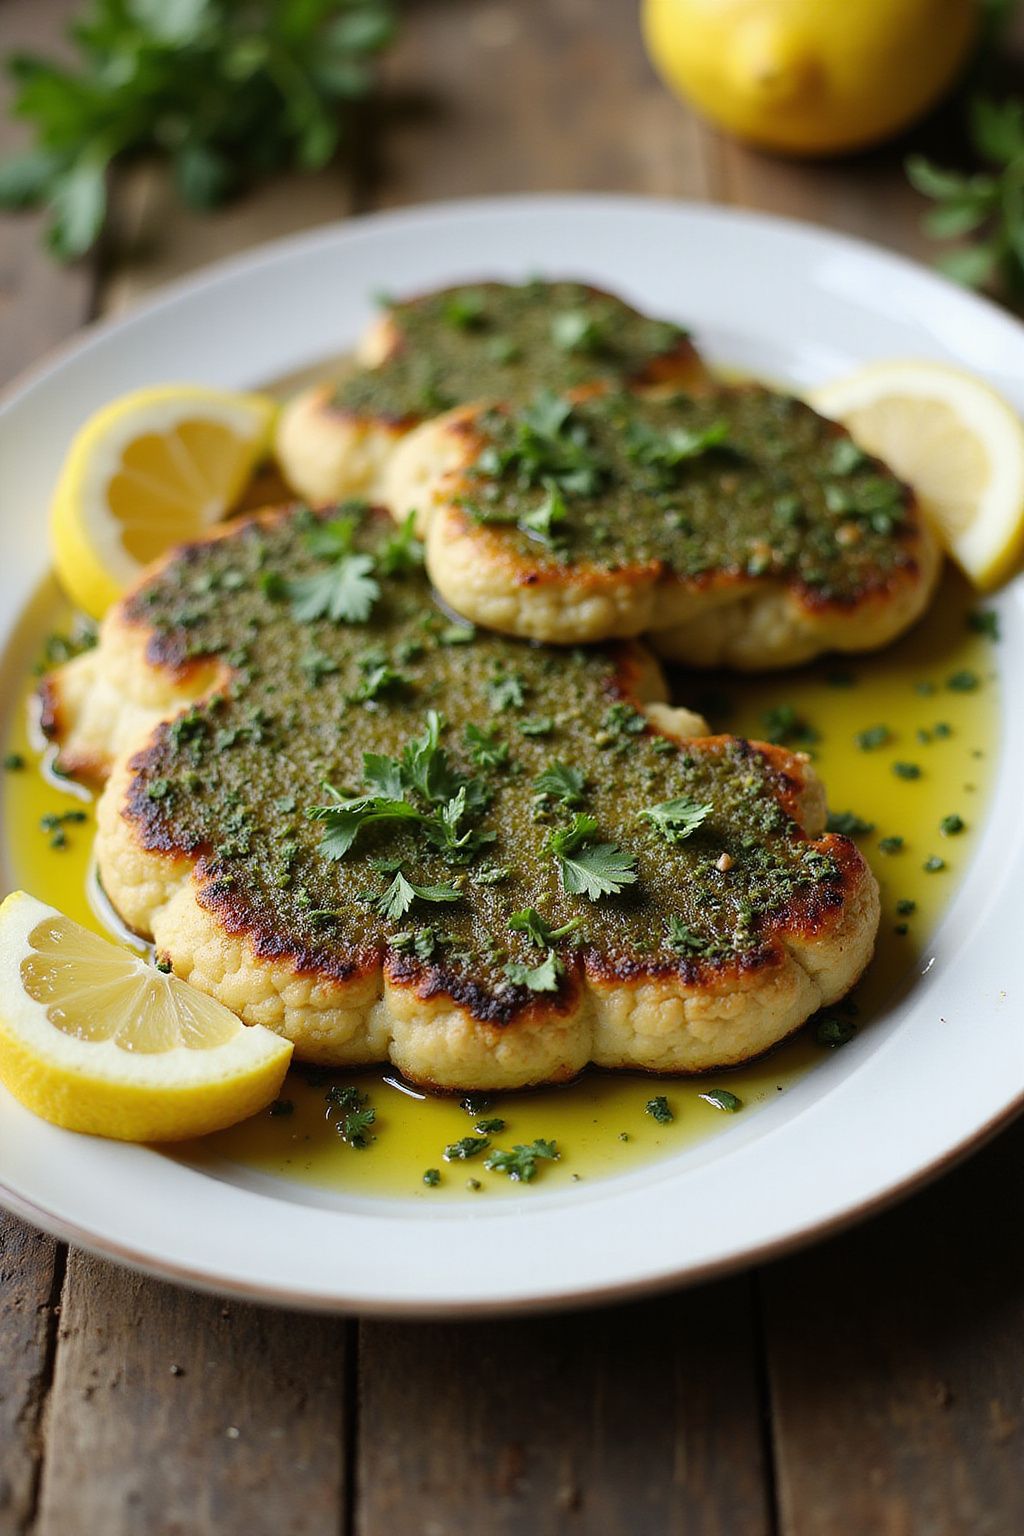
(957, 442)
(151, 469)
(95, 1039)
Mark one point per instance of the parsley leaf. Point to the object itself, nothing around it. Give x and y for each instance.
(659, 1110)
(682, 939)
(529, 921)
(346, 591)
(227, 93)
(402, 550)
(543, 521)
(586, 868)
(465, 1148)
(678, 819)
(521, 1163)
(506, 691)
(401, 894)
(561, 782)
(982, 205)
(485, 748)
(538, 978)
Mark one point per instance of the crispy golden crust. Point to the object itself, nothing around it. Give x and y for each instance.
(718, 618)
(365, 1005)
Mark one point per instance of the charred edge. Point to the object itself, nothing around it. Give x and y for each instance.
(51, 718)
(513, 1005)
(217, 894)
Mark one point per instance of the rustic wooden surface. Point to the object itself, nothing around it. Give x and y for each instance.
(873, 1386)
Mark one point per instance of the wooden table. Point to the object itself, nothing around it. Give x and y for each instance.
(874, 1384)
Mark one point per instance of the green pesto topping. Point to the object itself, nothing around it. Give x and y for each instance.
(746, 481)
(493, 341)
(348, 822)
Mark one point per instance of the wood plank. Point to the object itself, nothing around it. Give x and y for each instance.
(40, 304)
(31, 1270)
(897, 1364)
(487, 96)
(188, 1416)
(633, 1421)
(154, 239)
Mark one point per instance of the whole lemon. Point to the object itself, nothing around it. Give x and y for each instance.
(812, 77)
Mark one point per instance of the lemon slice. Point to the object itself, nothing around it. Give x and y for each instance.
(95, 1039)
(956, 442)
(150, 470)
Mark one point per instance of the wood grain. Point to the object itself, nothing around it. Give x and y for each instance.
(490, 96)
(181, 1415)
(897, 1365)
(40, 304)
(623, 1422)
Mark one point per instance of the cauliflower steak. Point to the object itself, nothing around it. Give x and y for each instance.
(736, 527)
(387, 836)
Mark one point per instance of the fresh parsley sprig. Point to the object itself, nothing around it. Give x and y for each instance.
(983, 209)
(678, 819)
(530, 922)
(346, 590)
(421, 791)
(560, 782)
(521, 1163)
(227, 93)
(402, 892)
(586, 868)
(536, 978)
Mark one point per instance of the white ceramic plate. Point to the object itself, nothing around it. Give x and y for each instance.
(940, 1070)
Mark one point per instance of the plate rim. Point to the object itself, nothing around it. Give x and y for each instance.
(292, 247)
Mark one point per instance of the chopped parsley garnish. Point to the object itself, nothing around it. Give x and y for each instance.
(849, 824)
(678, 819)
(890, 844)
(377, 681)
(721, 1098)
(489, 1127)
(432, 1178)
(574, 330)
(530, 922)
(13, 762)
(544, 521)
(423, 772)
(521, 1163)
(846, 457)
(536, 725)
(466, 1147)
(905, 906)
(402, 550)
(401, 893)
(984, 621)
(537, 978)
(785, 727)
(907, 770)
(682, 939)
(356, 1116)
(963, 682)
(874, 737)
(345, 590)
(666, 451)
(586, 868)
(834, 1031)
(484, 747)
(54, 823)
(949, 826)
(562, 783)
(506, 691)
(933, 864)
(659, 1110)
(548, 445)
(476, 1103)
